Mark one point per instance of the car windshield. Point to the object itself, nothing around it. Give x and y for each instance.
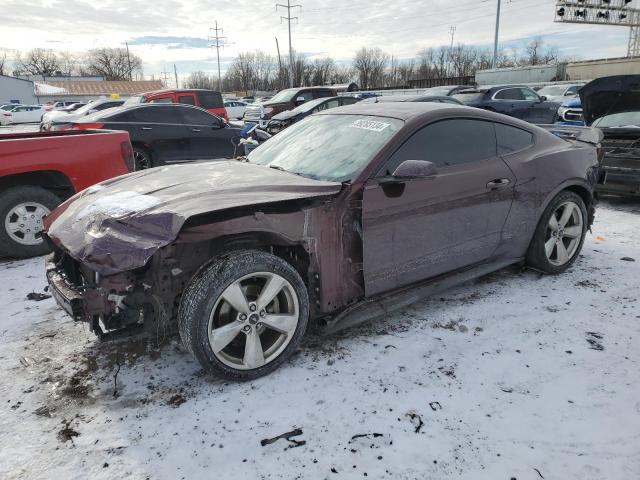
(465, 97)
(86, 108)
(305, 107)
(624, 119)
(283, 96)
(552, 91)
(327, 147)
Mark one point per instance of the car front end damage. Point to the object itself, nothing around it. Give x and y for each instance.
(621, 163)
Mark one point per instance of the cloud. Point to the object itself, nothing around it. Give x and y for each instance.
(172, 42)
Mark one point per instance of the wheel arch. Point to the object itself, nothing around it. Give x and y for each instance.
(52, 180)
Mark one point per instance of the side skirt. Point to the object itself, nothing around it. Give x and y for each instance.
(381, 305)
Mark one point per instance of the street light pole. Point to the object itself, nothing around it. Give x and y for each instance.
(495, 42)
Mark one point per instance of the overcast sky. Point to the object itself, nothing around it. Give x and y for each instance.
(164, 32)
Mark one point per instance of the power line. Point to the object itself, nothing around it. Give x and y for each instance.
(288, 18)
(219, 43)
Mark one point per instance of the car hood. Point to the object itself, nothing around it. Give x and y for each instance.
(286, 115)
(119, 224)
(572, 103)
(609, 95)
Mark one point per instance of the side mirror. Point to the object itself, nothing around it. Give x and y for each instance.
(415, 169)
(543, 99)
(93, 110)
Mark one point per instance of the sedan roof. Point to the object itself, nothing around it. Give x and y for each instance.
(399, 110)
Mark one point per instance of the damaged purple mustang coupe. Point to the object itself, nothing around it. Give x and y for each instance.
(336, 220)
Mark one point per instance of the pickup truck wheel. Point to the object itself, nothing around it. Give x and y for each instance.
(244, 314)
(560, 234)
(22, 209)
(142, 158)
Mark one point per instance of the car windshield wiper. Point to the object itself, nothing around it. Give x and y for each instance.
(278, 167)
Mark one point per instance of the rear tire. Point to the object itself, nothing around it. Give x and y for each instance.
(560, 234)
(142, 158)
(21, 211)
(244, 314)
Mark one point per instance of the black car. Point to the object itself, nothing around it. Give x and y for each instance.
(166, 133)
(414, 98)
(514, 100)
(282, 120)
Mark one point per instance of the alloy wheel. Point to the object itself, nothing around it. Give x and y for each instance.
(24, 223)
(253, 320)
(564, 233)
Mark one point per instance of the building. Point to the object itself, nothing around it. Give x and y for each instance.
(15, 90)
(86, 90)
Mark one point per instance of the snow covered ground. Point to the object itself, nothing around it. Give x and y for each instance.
(515, 375)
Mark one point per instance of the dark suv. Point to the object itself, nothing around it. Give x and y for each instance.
(514, 100)
(285, 100)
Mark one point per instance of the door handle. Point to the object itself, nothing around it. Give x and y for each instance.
(146, 129)
(195, 130)
(498, 183)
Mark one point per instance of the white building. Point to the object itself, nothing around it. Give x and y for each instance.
(16, 90)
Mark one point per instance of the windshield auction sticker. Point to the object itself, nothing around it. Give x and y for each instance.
(370, 125)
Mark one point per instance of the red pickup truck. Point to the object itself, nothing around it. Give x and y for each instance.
(40, 170)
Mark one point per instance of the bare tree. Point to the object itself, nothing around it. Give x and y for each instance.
(39, 61)
(68, 63)
(370, 64)
(535, 53)
(200, 79)
(3, 63)
(113, 63)
(322, 71)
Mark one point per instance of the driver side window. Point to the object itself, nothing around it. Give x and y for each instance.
(530, 95)
(447, 143)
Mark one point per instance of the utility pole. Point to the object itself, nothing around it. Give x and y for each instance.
(288, 18)
(279, 59)
(495, 42)
(219, 43)
(128, 60)
(165, 75)
(175, 72)
(452, 31)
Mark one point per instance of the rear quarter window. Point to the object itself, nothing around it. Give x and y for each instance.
(209, 100)
(511, 139)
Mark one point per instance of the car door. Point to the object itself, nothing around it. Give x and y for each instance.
(161, 128)
(19, 114)
(511, 101)
(209, 137)
(543, 112)
(424, 227)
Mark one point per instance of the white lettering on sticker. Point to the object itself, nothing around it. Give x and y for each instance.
(369, 125)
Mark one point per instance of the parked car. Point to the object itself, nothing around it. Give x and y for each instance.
(22, 114)
(285, 119)
(9, 106)
(209, 100)
(165, 133)
(235, 108)
(337, 219)
(284, 100)
(612, 104)
(413, 98)
(570, 113)
(40, 170)
(514, 100)
(58, 116)
(560, 92)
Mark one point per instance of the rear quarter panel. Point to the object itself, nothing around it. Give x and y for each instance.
(544, 170)
(85, 158)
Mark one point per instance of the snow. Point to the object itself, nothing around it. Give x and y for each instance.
(510, 375)
(46, 89)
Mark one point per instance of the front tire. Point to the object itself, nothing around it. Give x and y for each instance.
(560, 234)
(244, 314)
(22, 210)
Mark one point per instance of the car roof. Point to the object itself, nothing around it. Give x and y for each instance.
(179, 90)
(400, 110)
(410, 98)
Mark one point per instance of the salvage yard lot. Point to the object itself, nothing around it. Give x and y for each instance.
(516, 375)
